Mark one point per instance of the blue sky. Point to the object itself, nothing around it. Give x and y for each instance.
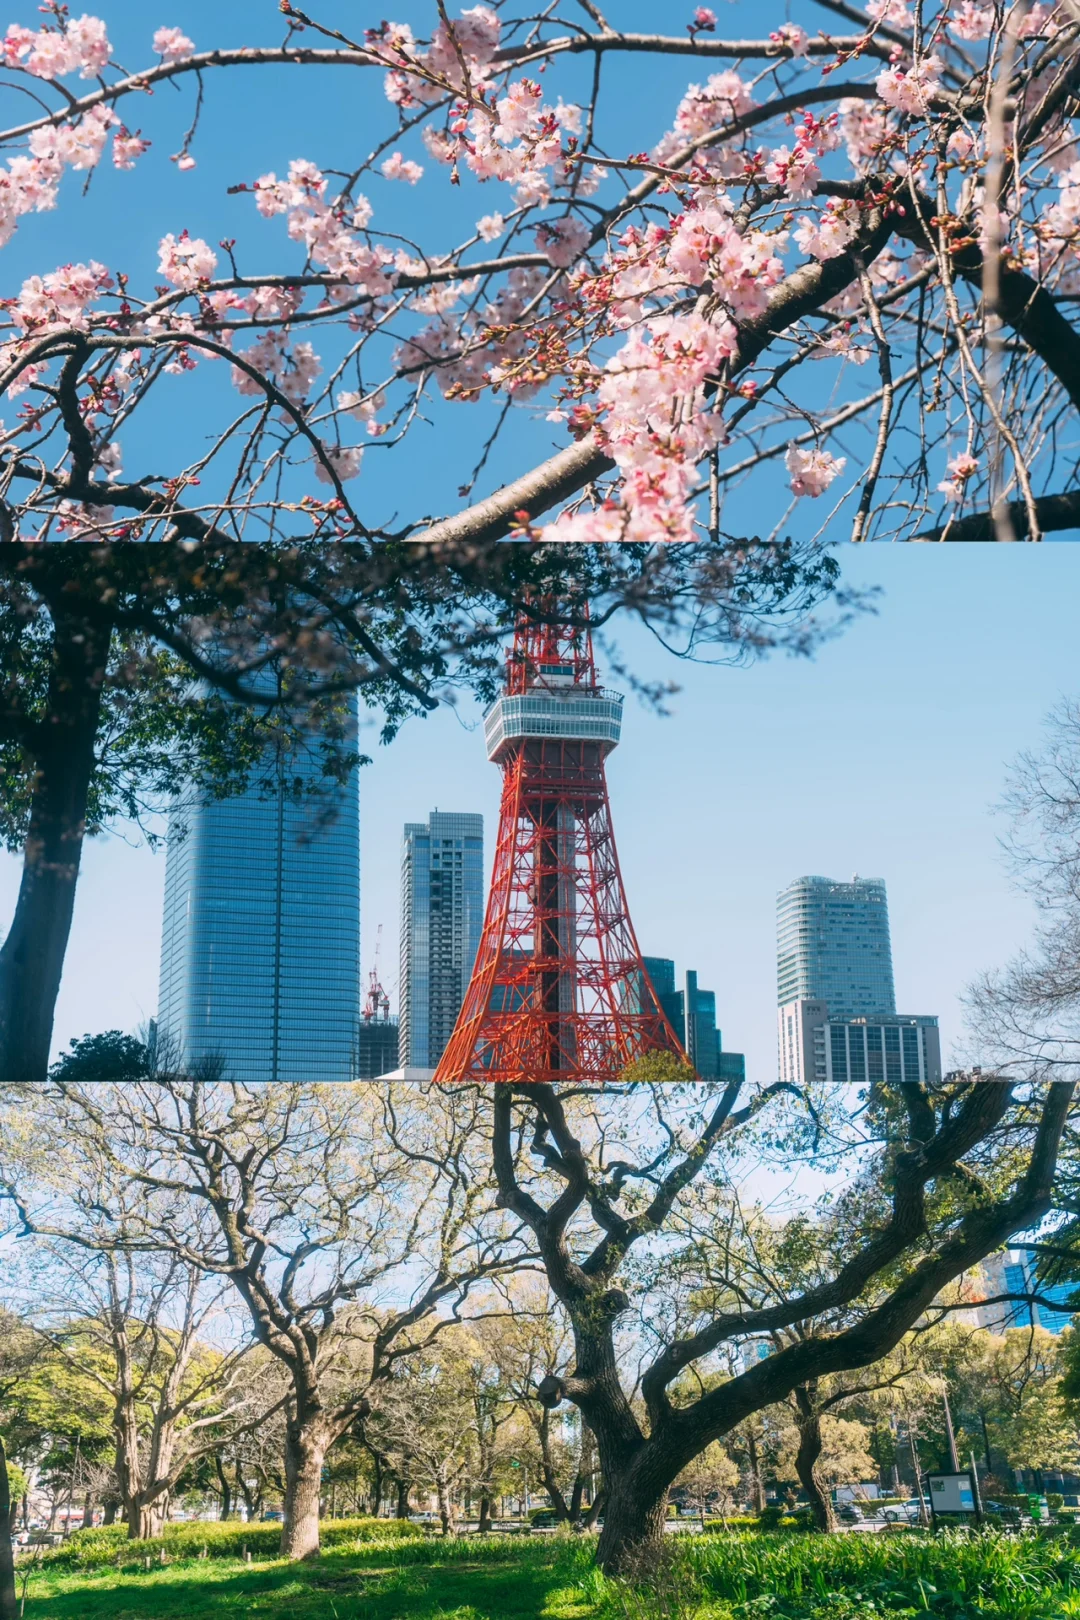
(883, 756)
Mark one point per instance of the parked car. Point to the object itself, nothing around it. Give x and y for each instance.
(1002, 1512)
(901, 1513)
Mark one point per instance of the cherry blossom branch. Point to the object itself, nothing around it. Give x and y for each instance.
(1053, 513)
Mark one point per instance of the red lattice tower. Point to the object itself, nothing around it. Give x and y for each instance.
(558, 991)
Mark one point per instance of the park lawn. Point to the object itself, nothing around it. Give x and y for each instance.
(374, 1584)
(751, 1576)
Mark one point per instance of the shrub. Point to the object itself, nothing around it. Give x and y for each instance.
(108, 1544)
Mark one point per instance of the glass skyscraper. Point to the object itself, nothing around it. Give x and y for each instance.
(442, 915)
(260, 953)
(833, 945)
(699, 1036)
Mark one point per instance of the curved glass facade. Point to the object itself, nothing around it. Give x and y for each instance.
(832, 945)
(260, 957)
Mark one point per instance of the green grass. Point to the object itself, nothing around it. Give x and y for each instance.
(735, 1577)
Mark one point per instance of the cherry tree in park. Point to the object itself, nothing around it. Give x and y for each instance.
(837, 267)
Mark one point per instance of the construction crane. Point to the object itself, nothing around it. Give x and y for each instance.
(376, 1002)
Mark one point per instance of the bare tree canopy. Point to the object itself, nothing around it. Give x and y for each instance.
(948, 1173)
(685, 310)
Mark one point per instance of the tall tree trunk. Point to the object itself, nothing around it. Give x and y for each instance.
(9, 1608)
(401, 1509)
(109, 1515)
(446, 1506)
(32, 955)
(807, 1459)
(484, 1524)
(305, 1448)
(986, 1443)
(88, 1511)
(226, 1486)
(547, 1469)
(757, 1484)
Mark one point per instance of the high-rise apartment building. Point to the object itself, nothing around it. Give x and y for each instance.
(442, 914)
(815, 1045)
(837, 1018)
(832, 944)
(260, 950)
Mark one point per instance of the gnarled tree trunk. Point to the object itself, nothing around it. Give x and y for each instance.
(635, 1510)
(807, 1461)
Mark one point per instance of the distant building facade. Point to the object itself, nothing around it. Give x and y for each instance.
(1012, 1272)
(816, 1045)
(691, 1012)
(260, 950)
(376, 1047)
(832, 945)
(442, 915)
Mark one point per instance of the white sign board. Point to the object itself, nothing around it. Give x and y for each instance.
(951, 1493)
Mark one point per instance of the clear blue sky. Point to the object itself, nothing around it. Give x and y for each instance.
(883, 756)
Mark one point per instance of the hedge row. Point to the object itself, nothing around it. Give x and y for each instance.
(108, 1544)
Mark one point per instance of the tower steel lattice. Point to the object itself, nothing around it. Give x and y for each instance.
(558, 990)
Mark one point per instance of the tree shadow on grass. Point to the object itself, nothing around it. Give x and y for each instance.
(338, 1586)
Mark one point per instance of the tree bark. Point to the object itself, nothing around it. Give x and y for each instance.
(62, 751)
(9, 1608)
(446, 1507)
(547, 1469)
(484, 1524)
(633, 1528)
(757, 1484)
(807, 1460)
(305, 1449)
(401, 1510)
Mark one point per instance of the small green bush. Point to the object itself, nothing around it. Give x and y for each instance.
(108, 1544)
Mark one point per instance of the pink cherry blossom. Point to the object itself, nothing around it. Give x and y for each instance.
(704, 20)
(795, 38)
(913, 90)
(398, 167)
(897, 13)
(60, 298)
(491, 227)
(344, 459)
(972, 21)
(961, 468)
(126, 148)
(827, 236)
(562, 240)
(173, 44)
(812, 471)
(796, 171)
(186, 260)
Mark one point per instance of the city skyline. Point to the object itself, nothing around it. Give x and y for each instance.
(721, 802)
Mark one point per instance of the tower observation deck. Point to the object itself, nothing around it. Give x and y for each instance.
(558, 990)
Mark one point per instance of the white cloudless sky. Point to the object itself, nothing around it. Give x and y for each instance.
(884, 755)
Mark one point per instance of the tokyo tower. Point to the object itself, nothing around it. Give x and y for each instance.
(558, 991)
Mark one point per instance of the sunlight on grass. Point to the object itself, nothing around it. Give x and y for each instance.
(746, 1576)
